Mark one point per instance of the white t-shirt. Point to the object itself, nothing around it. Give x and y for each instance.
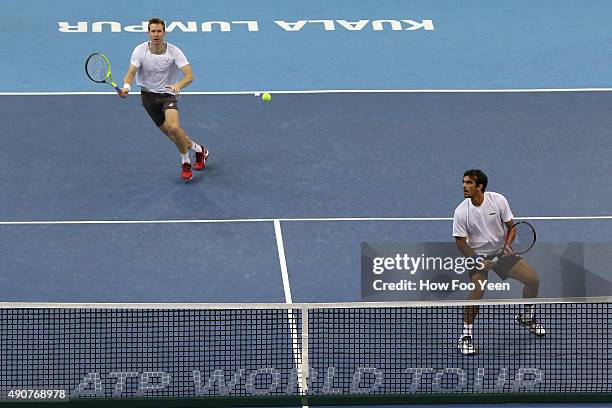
(483, 226)
(157, 71)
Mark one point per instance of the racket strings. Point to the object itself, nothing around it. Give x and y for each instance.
(97, 68)
(524, 238)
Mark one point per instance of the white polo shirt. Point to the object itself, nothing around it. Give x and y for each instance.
(157, 71)
(483, 226)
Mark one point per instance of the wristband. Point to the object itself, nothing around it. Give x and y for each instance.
(127, 86)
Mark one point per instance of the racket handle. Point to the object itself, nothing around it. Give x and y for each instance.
(117, 89)
(494, 260)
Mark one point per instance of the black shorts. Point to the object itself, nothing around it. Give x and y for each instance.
(504, 265)
(156, 104)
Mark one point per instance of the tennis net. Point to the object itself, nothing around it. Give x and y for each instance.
(244, 352)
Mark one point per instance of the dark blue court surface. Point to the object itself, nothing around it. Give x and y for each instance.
(300, 156)
(140, 262)
(330, 155)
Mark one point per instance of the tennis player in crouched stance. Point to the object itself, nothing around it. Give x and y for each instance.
(156, 65)
(478, 228)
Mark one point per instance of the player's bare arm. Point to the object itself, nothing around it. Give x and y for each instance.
(129, 80)
(186, 80)
(465, 249)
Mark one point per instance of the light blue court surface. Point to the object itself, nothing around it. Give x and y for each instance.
(473, 44)
(93, 210)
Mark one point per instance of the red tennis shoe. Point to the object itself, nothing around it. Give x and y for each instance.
(186, 174)
(201, 157)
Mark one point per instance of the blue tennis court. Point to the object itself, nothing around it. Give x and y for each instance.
(376, 112)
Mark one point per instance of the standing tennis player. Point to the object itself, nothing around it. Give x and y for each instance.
(156, 65)
(478, 228)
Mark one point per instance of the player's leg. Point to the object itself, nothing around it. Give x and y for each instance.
(172, 128)
(168, 134)
(466, 341)
(182, 141)
(525, 274)
(522, 272)
(470, 312)
(156, 106)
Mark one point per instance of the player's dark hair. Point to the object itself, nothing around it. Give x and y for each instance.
(156, 20)
(478, 176)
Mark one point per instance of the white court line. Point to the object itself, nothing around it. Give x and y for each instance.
(284, 306)
(275, 220)
(297, 339)
(283, 262)
(78, 222)
(326, 91)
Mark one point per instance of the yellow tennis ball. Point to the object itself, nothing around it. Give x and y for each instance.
(266, 97)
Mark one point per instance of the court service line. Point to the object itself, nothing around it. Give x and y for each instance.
(325, 91)
(274, 220)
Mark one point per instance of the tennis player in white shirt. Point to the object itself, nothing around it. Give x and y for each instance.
(479, 227)
(156, 65)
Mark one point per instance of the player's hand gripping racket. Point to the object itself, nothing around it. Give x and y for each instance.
(520, 238)
(98, 69)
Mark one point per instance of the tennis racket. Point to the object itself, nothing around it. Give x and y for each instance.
(98, 69)
(520, 238)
